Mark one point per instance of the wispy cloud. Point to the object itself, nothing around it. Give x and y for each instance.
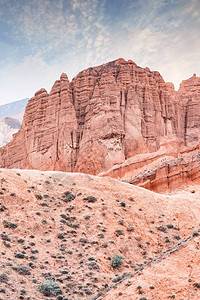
(41, 39)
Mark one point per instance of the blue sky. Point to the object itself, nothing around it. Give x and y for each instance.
(40, 39)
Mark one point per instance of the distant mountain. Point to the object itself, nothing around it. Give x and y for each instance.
(11, 115)
(13, 109)
(8, 126)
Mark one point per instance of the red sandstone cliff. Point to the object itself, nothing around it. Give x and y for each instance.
(189, 95)
(105, 116)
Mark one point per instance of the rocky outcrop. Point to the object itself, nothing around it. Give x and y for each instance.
(189, 95)
(47, 132)
(171, 167)
(103, 118)
(170, 173)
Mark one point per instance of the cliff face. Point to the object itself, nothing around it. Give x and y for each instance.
(47, 132)
(189, 95)
(106, 115)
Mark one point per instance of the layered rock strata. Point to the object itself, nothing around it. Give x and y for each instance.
(170, 174)
(171, 167)
(105, 116)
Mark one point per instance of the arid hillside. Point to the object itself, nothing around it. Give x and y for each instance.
(77, 236)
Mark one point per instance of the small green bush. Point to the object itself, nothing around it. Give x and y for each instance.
(50, 288)
(116, 261)
(68, 196)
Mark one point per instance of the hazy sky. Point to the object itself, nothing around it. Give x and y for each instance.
(40, 39)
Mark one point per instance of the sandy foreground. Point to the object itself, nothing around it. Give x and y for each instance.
(46, 236)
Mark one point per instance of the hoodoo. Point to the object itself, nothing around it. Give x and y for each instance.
(116, 119)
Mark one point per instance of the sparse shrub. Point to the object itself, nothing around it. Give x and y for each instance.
(117, 278)
(119, 231)
(152, 287)
(93, 265)
(6, 244)
(121, 222)
(7, 224)
(123, 204)
(60, 236)
(22, 270)
(116, 261)
(162, 228)
(195, 233)
(38, 196)
(4, 278)
(91, 199)
(83, 240)
(170, 226)
(50, 288)
(130, 228)
(19, 255)
(196, 284)
(5, 237)
(68, 196)
(2, 207)
(177, 236)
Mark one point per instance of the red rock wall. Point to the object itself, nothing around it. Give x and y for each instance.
(106, 115)
(189, 95)
(171, 174)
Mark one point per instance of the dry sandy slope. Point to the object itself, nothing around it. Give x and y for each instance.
(76, 249)
(168, 277)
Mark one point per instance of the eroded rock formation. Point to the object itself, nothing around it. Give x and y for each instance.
(105, 116)
(189, 95)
